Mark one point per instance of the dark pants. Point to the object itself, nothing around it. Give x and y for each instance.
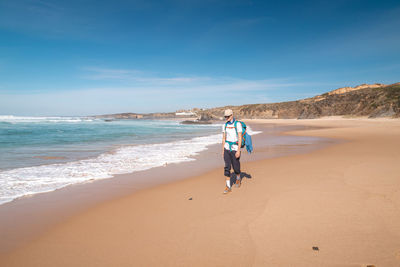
(231, 160)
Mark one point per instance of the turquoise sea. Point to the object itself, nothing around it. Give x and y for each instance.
(40, 154)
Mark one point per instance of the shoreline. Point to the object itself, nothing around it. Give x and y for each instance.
(47, 209)
(93, 159)
(332, 198)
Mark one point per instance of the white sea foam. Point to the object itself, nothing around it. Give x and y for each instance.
(20, 182)
(23, 119)
(251, 132)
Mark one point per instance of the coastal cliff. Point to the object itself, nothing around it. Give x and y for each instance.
(376, 100)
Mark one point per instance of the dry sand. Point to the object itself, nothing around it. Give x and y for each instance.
(343, 199)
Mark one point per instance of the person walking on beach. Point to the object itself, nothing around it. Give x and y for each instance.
(231, 144)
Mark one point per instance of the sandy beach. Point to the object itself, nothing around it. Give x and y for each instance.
(335, 206)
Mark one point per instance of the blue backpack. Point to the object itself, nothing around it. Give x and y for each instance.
(246, 138)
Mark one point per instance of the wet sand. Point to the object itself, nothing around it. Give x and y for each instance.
(341, 199)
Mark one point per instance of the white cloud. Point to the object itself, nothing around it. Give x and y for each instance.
(137, 79)
(94, 73)
(137, 76)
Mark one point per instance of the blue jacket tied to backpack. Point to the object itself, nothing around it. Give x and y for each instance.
(246, 138)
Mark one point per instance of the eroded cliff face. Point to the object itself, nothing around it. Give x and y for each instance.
(376, 100)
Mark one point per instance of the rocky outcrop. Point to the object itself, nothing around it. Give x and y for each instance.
(203, 118)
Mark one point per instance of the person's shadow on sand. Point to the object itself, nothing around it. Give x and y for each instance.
(242, 175)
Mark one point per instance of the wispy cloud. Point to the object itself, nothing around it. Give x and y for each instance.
(189, 91)
(111, 90)
(138, 77)
(94, 73)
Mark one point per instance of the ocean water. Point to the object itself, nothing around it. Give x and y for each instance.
(41, 154)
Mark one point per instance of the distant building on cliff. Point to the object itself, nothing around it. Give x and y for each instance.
(185, 113)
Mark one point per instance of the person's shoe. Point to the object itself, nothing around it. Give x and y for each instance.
(227, 190)
(238, 183)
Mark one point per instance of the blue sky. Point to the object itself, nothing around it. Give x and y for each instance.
(97, 57)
